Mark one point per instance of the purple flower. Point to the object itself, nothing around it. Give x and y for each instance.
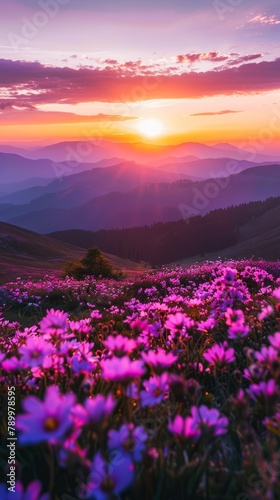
(210, 420)
(129, 439)
(159, 360)
(47, 420)
(32, 492)
(108, 478)
(219, 355)
(229, 275)
(156, 390)
(34, 351)
(121, 369)
(94, 410)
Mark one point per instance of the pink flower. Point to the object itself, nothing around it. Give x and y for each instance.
(234, 316)
(238, 330)
(202, 421)
(94, 410)
(119, 345)
(276, 294)
(54, 324)
(265, 312)
(275, 340)
(178, 322)
(159, 360)
(121, 369)
(219, 355)
(47, 420)
(185, 428)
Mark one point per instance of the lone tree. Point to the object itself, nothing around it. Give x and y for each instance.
(92, 264)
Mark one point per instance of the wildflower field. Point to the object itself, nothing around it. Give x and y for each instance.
(162, 388)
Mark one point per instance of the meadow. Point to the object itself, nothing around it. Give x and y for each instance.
(162, 387)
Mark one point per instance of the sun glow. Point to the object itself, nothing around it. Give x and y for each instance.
(151, 127)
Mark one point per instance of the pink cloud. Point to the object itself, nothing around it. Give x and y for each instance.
(263, 19)
(243, 59)
(31, 83)
(202, 56)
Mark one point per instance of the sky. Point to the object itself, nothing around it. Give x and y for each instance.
(164, 71)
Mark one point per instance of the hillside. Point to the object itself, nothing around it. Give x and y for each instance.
(244, 230)
(258, 238)
(25, 253)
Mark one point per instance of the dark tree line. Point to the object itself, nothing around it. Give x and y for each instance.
(167, 242)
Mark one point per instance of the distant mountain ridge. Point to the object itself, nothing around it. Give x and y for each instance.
(150, 203)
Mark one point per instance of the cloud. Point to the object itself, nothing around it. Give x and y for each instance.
(263, 19)
(16, 115)
(213, 113)
(243, 59)
(32, 83)
(202, 56)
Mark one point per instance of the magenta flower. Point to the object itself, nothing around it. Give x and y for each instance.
(119, 344)
(156, 389)
(219, 355)
(238, 330)
(32, 492)
(264, 390)
(121, 369)
(205, 326)
(275, 340)
(265, 312)
(202, 421)
(276, 294)
(47, 420)
(94, 410)
(267, 355)
(54, 324)
(184, 428)
(234, 316)
(129, 439)
(109, 477)
(159, 360)
(34, 351)
(178, 323)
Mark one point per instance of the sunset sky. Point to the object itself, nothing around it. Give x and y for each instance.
(165, 71)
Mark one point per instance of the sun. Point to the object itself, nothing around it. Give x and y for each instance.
(151, 127)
